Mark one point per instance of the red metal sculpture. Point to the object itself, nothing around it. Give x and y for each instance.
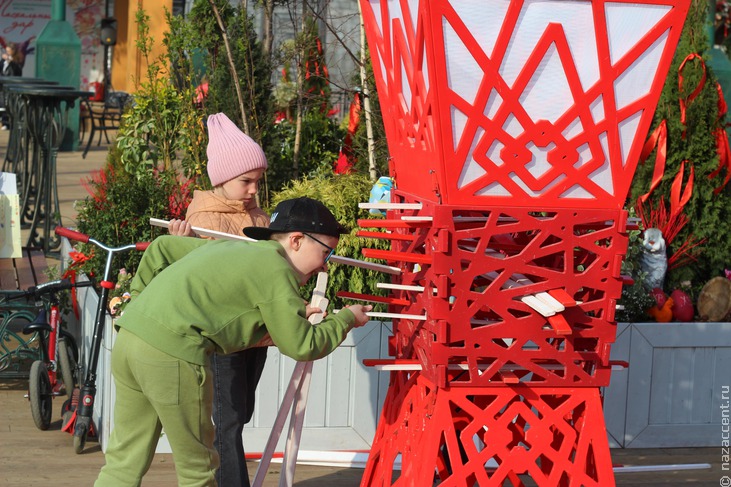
(514, 128)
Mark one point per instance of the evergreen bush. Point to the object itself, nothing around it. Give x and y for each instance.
(709, 214)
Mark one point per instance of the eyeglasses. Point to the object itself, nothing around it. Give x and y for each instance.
(332, 250)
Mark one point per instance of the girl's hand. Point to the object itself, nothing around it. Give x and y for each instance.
(180, 228)
(311, 310)
(360, 311)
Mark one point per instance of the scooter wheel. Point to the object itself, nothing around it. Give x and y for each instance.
(66, 417)
(80, 437)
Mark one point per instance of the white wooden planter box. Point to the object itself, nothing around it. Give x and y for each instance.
(672, 395)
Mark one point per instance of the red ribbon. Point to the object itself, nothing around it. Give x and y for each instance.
(677, 202)
(722, 107)
(724, 158)
(658, 138)
(684, 102)
(344, 164)
(77, 259)
(722, 145)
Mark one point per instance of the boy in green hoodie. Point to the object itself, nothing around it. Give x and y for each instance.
(192, 298)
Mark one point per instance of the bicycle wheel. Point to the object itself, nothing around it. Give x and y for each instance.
(40, 394)
(67, 364)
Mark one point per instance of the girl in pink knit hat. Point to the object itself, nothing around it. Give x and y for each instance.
(236, 164)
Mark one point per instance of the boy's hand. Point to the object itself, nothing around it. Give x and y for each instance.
(180, 228)
(360, 310)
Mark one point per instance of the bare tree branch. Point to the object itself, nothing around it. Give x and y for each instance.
(356, 59)
(231, 64)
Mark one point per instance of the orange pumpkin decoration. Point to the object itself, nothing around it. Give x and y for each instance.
(664, 313)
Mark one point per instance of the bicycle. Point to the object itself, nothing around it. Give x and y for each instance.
(57, 349)
(78, 417)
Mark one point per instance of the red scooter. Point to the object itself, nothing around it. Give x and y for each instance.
(78, 416)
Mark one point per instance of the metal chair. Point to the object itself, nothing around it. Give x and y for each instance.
(104, 116)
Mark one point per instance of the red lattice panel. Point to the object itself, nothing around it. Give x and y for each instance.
(521, 102)
(488, 437)
(477, 266)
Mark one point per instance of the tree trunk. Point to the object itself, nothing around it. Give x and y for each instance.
(367, 101)
(267, 30)
(297, 138)
(231, 65)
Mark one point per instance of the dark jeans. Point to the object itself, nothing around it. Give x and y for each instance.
(235, 377)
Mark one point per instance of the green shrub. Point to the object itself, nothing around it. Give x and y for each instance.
(320, 142)
(341, 194)
(118, 209)
(163, 120)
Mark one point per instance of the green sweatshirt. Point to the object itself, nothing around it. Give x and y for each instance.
(223, 296)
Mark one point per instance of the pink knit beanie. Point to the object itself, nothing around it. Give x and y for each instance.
(231, 152)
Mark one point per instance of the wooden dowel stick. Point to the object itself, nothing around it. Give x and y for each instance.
(387, 269)
(407, 218)
(370, 298)
(203, 231)
(390, 206)
(373, 314)
(538, 305)
(403, 287)
(552, 302)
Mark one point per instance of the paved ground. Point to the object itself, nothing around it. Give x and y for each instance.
(30, 457)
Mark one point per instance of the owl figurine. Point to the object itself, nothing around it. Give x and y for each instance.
(654, 261)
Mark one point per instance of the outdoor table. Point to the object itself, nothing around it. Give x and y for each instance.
(24, 79)
(14, 108)
(26, 155)
(47, 112)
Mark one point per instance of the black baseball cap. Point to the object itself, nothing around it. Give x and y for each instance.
(298, 215)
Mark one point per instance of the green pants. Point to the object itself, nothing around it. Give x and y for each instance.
(155, 391)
